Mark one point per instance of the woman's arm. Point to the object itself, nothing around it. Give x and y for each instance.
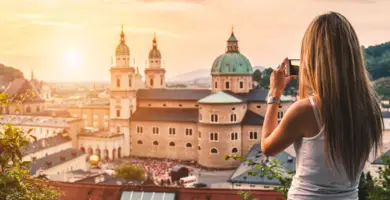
(274, 139)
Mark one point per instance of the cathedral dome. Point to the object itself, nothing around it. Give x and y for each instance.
(122, 49)
(154, 52)
(232, 62)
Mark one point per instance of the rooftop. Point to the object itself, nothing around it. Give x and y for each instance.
(95, 132)
(55, 159)
(29, 120)
(221, 97)
(166, 114)
(241, 174)
(379, 161)
(46, 143)
(172, 94)
(114, 192)
(22, 87)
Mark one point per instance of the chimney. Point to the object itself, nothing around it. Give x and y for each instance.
(74, 154)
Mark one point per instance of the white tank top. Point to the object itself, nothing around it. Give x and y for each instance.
(315, 178)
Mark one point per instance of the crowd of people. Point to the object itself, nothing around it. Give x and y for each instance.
(160, 169)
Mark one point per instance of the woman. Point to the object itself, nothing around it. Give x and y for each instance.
(334, 129)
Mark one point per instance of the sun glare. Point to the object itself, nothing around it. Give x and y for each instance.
(72, 59)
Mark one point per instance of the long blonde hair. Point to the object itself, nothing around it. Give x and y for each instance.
(332, 67)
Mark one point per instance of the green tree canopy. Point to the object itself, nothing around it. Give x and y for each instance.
(130, 172)
(257, 76)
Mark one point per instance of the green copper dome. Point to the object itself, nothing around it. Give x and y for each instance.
(232, 62)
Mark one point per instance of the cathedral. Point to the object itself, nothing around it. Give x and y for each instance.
(147, 119)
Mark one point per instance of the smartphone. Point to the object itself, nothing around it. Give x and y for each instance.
(293, 67)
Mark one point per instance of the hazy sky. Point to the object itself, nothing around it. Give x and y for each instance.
(73, 40)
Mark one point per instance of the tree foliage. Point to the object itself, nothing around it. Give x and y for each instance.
(377, 59)
(256, 76)
(130, 172)
(380, 188)
(15, 179)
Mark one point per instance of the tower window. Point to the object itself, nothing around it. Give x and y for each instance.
(253, 135)
(216, 85)
(214, 118)
(172, 131)
(241, 84)
(214, 136)
(118, 113)
(140, 129)
(139, 142)
(227, 85)
(188, 131)
(162, 80)
(234, 150)
(155, 130)
(233, 117)
(151, 82)
(189, 145)
(234, 136)
(130, 84)
(172, 144)
(118, 82)
(155, 143)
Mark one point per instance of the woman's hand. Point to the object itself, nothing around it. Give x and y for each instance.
(279, 80)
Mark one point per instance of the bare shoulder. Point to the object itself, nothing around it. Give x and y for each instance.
(301, 108)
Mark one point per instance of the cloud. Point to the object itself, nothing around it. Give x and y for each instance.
(156, 5)
(31, 15)
(350, 1)
(54, 23)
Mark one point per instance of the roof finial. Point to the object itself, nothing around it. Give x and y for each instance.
(232, 29)
(154, 40)
(122, 35)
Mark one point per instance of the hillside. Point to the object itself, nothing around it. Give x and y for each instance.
(377, 60)
(8, 74)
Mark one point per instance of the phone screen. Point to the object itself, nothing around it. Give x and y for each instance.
(293, 69)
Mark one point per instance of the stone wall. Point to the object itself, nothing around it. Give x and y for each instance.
(162, 144)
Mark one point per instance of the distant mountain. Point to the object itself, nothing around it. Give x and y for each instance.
(8, 74)
(199, 76)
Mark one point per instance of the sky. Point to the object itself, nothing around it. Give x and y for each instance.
(74, 40)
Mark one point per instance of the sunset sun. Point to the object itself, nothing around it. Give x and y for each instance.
(72, 59)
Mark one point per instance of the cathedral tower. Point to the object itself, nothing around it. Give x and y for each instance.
(122, 93)
(154, 73)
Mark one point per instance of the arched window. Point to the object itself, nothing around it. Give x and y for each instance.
(28, 109)
(155, 143)
(172, 144)
(199, 148)
(227, 85)
(118, 113)
(233, 117)
(118, 82)
(213, 150)
(241, 84)
(151, 81)
(234, 150)
(189, 145)
(162, 80)
(139, 142)
(216, 85)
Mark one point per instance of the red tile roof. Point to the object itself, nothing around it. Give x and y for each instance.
(85, 191)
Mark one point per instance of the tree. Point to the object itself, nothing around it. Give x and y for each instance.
(130, 172)
(380, 189)
(265, 79)
(257, 76)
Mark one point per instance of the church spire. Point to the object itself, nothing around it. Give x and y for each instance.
(122, 35)
(32, 75)
(154, 41)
